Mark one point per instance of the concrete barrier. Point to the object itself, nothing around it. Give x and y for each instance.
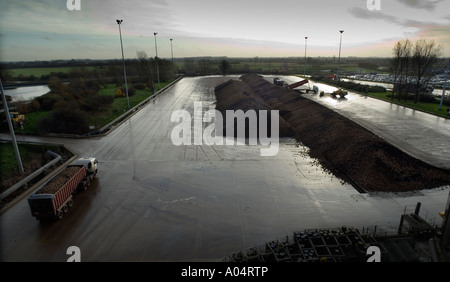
(36, 185)
(105, 129)
(23, 182)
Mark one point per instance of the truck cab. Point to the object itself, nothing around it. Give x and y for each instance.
(91, 164)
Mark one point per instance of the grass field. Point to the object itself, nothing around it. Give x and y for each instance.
(120, 105)
(276, 65)
(432, 108)
(8, 160)
(32, 120)
(38, 72)
(241, 65)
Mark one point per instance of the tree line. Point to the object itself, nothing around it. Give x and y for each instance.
(411, 66)
(74, 95)
(141, 68)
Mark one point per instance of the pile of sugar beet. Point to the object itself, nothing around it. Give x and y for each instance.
(342, 147)
(56, 183)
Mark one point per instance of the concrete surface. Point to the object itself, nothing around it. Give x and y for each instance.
(154, 201)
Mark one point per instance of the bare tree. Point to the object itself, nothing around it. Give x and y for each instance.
(224, 67)
(405, 69)
(395, 65)
(5, 74)
(411, 66)
(425, 55)
(144, 66)
(205, 66)
(400, 67)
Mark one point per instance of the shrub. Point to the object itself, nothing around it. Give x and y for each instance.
(377, 89)
(96, 103)
(65, 120)
(427, 98)
(120, 93)
(47, 101)
(131, 92)
(140, 86)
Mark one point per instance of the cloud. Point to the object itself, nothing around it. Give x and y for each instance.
(371, 15)
(421, 4)
(137, 16)
(440, 33)
(366, 14)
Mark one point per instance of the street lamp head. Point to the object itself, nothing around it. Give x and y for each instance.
(341, 31)
(171, 39)
(306, 37)
(119, 21)
(155, 33)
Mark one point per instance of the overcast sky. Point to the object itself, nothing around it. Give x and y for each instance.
(47, 29)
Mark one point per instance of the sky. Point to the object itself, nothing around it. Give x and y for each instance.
(87, 29)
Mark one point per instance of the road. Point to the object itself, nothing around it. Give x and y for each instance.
(419, 134)
(154, 201)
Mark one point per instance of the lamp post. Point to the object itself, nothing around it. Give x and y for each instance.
(445, 85)
(304, 67)
(171, 50)
(11, 129)
(156, 59)
(339, 60)
(123, 61)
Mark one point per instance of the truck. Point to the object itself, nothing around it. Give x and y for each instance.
(341, 93)
(53, 199)
(297, 84)
(17, 119)
(278, 82)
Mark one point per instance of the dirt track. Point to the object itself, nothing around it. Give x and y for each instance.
(341, 146)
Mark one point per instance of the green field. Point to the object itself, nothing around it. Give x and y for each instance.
(8, 160)
(281, 65)
(432, 108)
(38, 72)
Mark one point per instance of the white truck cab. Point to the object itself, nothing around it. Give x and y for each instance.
(91, 164)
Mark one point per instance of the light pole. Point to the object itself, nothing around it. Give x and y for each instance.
(156, 59)
(123, 61)
(171, 50)
(445, 85)
(11, 128)
(304, 67)
(339, 60)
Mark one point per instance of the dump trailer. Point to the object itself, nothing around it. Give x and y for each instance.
(54, 198)
(297, 84)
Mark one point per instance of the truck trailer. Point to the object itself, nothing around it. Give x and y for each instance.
(54, 198)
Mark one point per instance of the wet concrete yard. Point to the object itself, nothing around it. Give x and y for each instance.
(419, 134)
(154, 201)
